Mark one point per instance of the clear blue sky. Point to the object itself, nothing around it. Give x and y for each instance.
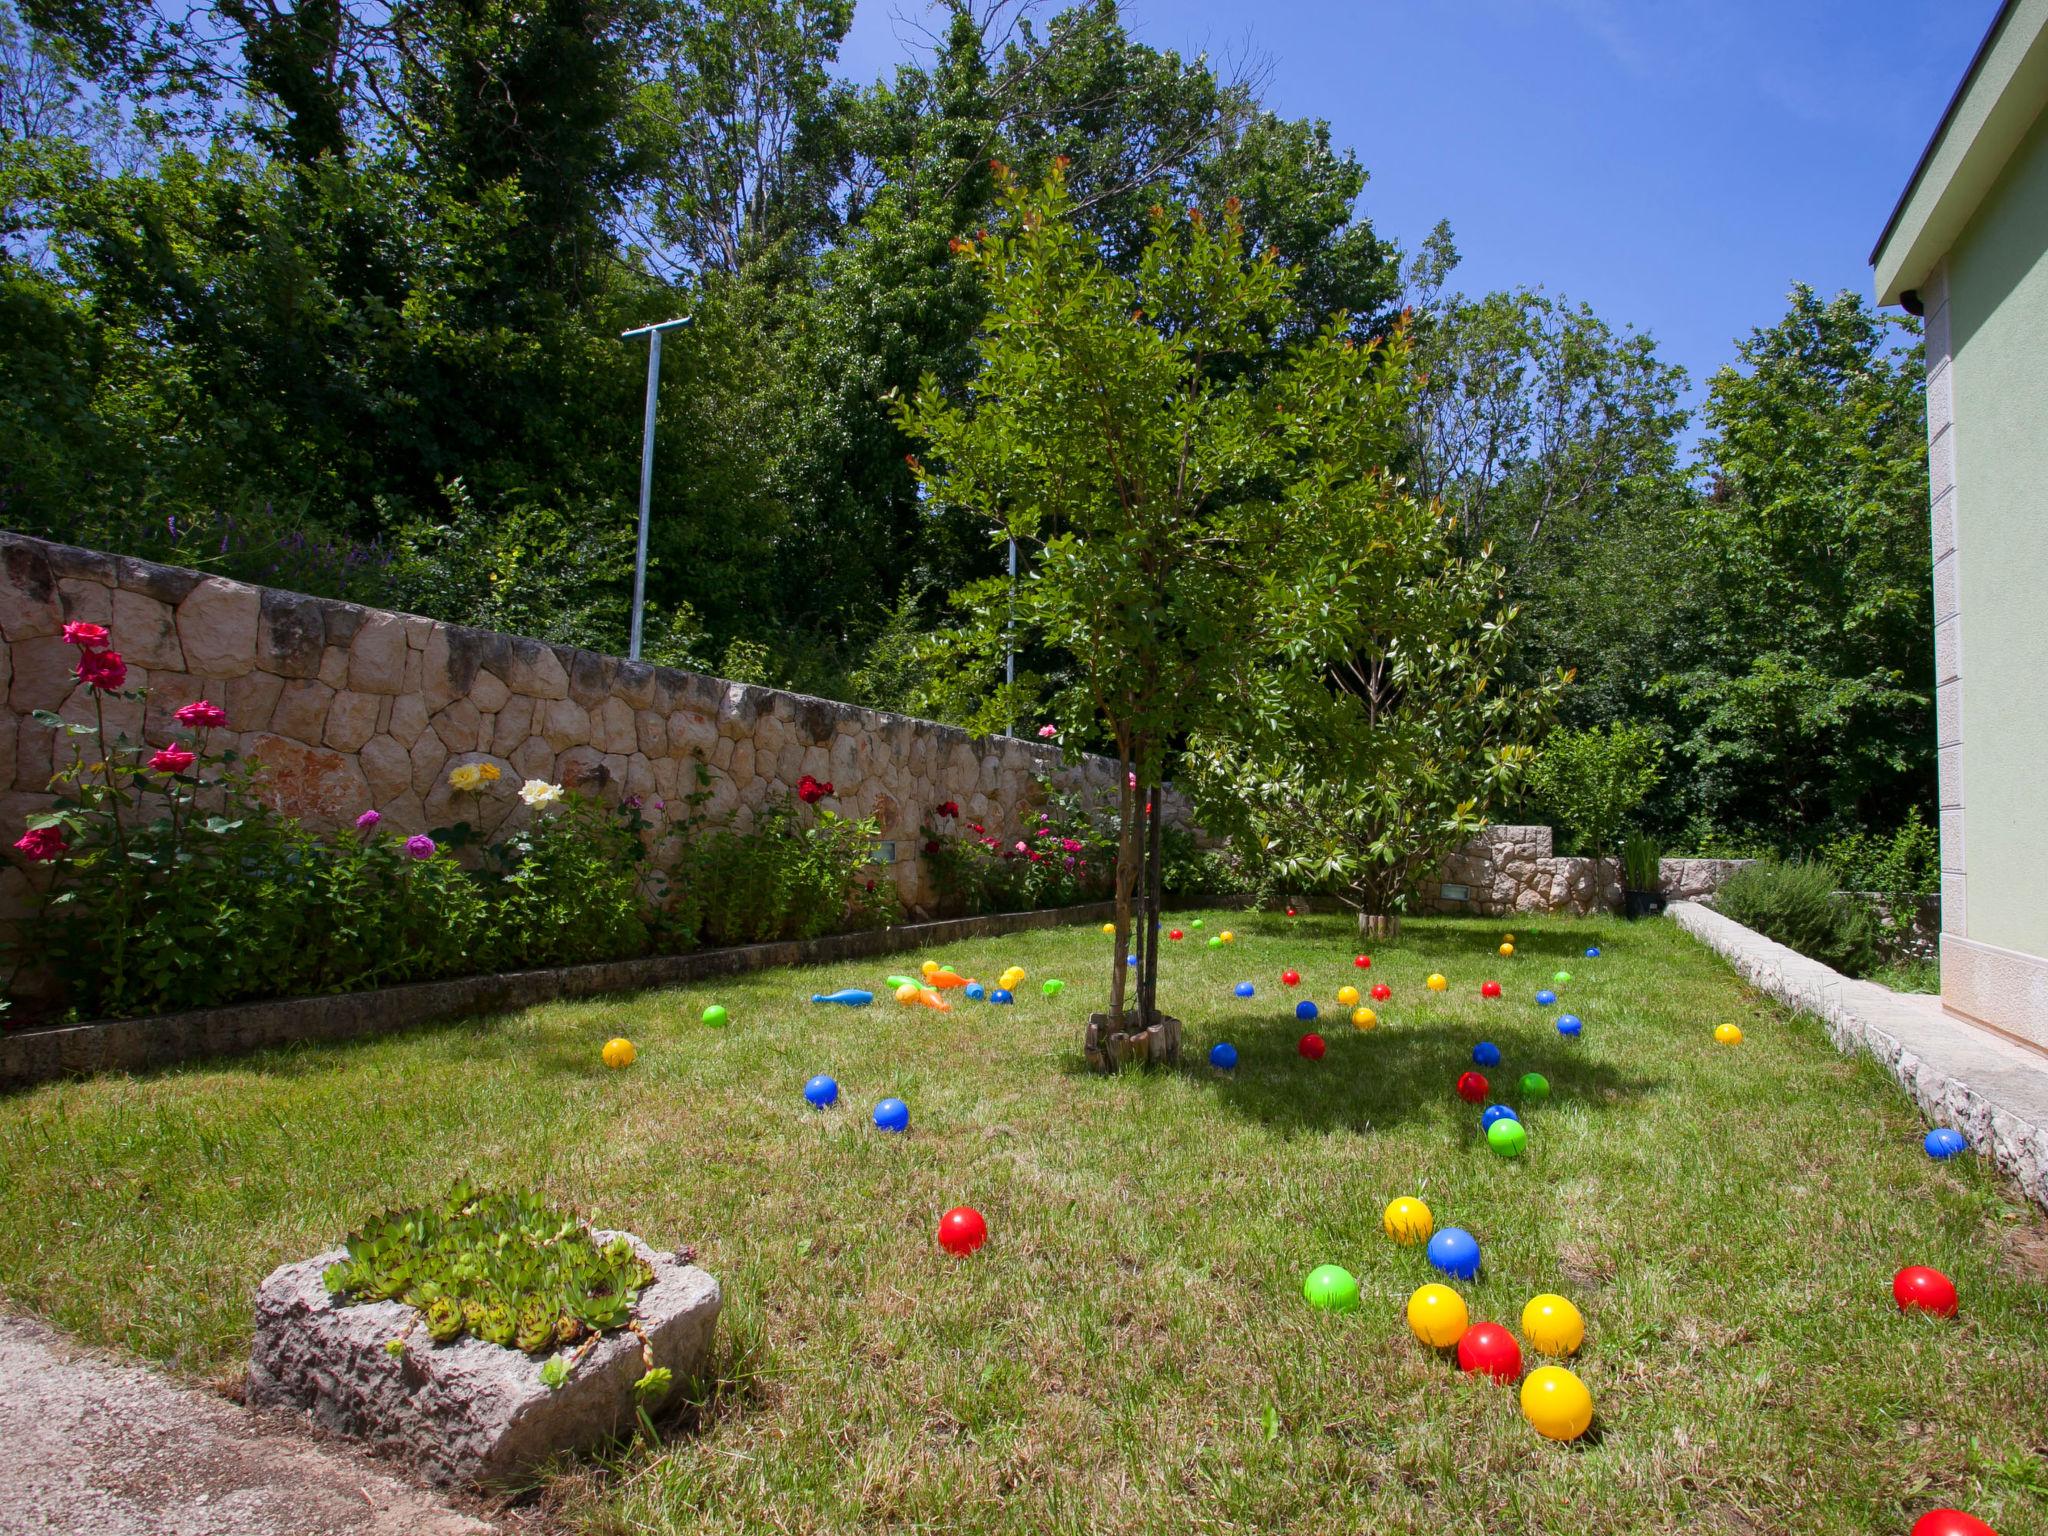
(1677, 164)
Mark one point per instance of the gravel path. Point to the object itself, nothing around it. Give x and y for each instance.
(89, 1443)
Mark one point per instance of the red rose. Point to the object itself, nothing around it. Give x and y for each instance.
(89, 637)
(201, 715)
(172, 759)
(931, 845)
(42, 845)
(102, 670)
(950, 808)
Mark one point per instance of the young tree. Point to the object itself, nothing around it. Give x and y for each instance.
(1204, 503)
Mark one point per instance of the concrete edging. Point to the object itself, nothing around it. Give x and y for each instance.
(1994, 1091)
(38, 1055)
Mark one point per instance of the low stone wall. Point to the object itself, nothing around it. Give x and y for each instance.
(352, 708)
(1509, 869)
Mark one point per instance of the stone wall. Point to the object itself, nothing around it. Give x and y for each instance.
(350, 708)
(1512, 869)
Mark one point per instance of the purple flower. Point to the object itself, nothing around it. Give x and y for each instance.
(368, 820)
(420, 846)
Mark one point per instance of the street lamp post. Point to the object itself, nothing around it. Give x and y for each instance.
(653, 333)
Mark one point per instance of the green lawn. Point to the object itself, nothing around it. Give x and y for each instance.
(1131, 1352)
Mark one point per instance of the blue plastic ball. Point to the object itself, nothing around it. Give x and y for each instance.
(892, 1115)
(976, 991)
(1304, 1010)
(1002, 995)
(1593, 952)
(1223, 1056)
(822, 1090)
(1130, 959)
(1456, 1252)
(1569, 1025)
(1486, 1054)
(1545, 998)
(1244, 989)
(1496, 1112)
(1943, 1144)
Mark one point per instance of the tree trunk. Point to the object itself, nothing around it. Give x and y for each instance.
(1379, 925)
(1148, 982)
(1127, 859)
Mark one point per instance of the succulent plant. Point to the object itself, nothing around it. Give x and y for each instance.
(507, 1268)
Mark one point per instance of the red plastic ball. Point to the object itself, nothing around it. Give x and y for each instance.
(1291, 978)
(1927, 1289)
(1491, 1348)
(1381, 992)
(1176, 934)
(1363, 962)
(1950, 1522)
(1489, 989)
(1290, 911)
(1472, 1087)
(961, 1230)
(1312, 1047)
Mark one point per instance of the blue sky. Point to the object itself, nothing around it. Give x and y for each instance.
(1677, 164)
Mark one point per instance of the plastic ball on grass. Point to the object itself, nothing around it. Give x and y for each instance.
(1381, 992)
(1331, 1288)
(1489, 1349)
(1348, 996)
(1535, 1087)
(962, 1230)
(1290, 912)
(892, 1115)
(1305, 1011)
(1556, 1403)
(1109, 928)
(821, 1091)
(1437, 1316)
(1486, 1054)
(1363, 962)
(1552, 1325)
(1472, 1087)
(1223, 1056)
(1364, 1018)
(1942, 1144)
(1507, 951)
(1227, 936)
(1215, 942)
(1728, 1034)
(1312, 1047)
(1561, 979)
(1244, 989)
(619, 1053)
(1436, 981)
(714, 1017)
(1176, 934)
(1593, 952)
(1130, 959)
(1569, 1025)
(1456, 1252)
(1408, 1221)
(1290, 978)
(1489, 989)
(1002, 995)
(1545, 997)
(1496, 1112)
(1196, 923)
(1507, 1138)
(1950, 1522)
(1917, 1288)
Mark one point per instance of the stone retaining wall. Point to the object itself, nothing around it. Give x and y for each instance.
(1508, 869)
(350, 708)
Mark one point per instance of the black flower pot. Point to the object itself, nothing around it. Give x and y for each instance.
(1635, 904)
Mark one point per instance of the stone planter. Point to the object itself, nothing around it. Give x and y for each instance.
(1109, 1050)
(469, 1412)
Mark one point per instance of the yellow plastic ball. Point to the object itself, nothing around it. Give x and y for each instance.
(1437, 1315)
(1364, 1018)
(1348, 996)
(1507, 938)
(1408, 1221)
(1728, 1034)
(1507, 951)
(1109, 928)
(1436, 982)
(1556, 1403)
(1553, 1325)
(908, 993)
(619, 1053)
(929, 969)
(1227, 936)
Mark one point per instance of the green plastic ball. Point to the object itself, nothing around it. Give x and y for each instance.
(1215, 942)
(1331, 1288)
(1196, 923)
(1053, 987)
(1507, 1137)
(1561, 979)
(1535, 1086)
(714, 1016)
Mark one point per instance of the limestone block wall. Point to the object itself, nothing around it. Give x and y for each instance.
(350, 708)
(1513, 869)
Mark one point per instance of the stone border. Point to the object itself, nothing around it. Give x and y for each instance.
(1861, 1015)
(38, 1055)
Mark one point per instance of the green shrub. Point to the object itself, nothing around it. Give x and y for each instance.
(1897, 871)
(1589, 783)
(570, 891)
(1641, 864)
(781, 879)
(1795, 901)
(1059, 855)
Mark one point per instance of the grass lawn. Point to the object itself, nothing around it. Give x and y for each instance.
(1131, 1351)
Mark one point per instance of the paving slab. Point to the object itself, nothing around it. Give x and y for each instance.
(92, 1443)
(1993, 1090)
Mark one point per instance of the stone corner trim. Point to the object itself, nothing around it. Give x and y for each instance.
(1861, 1015)
(469, 1413)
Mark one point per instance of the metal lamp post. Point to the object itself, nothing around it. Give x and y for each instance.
(653, 333)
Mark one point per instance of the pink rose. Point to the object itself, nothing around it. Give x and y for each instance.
(172, 759)
(102, 671)
(200, 715)
(1021, 848)
(1047, 732)
(420, 846)
(42, 845)
(88, 637)
(368, 820)
(1071, 845)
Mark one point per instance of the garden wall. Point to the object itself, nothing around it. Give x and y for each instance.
(1512, 869)
(351, 708)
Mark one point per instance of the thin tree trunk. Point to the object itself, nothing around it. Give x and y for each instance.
(1126, 878)
(1154, 885)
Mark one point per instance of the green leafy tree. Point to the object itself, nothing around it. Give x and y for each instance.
(1205, 503)
(1591, 782)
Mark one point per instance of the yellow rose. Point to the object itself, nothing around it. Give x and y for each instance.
(467, 779)
(489, 771)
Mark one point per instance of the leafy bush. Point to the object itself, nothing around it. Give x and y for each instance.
(1590, 782)
(783, 879)
(1059, 855)
(570, 891)
(1640, 864)
(1795, 901)
(1894, 872)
